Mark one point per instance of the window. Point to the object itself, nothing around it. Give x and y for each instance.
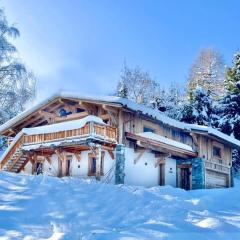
(216, 152)
(148, 129)
(92, 165)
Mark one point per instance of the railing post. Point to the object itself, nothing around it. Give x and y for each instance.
(91, 128)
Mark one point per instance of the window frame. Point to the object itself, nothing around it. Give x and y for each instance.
(219, 149)
(152, 130)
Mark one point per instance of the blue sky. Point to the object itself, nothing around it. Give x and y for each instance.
(81, 45)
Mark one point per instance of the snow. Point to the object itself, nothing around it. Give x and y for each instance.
(63, 126)
(121, 102)
(162, 139)
(43, 207)
(216, 133)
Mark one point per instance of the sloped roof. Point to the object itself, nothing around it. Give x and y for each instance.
(126, 103)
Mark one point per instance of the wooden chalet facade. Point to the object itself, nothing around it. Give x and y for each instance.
(116, 140)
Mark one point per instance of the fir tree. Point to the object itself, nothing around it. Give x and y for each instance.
(227, 117)
(122, 90)
(199, 109)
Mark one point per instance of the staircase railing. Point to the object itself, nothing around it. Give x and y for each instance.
(12, 148)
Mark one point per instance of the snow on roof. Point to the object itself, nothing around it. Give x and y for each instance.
(162, 139)
(63, 126)
(127, 104)
(216, 133)
(107, 99)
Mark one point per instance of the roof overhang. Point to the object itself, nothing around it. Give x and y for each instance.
(161, 146)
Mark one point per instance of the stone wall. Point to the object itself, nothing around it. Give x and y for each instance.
(120, 164)
(198, 171)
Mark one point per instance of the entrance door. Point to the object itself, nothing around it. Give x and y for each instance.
(162, 174)
(39, 168)
(68, 167)
(185, 178)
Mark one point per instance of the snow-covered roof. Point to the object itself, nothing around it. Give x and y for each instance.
(106, 99)
(63, 126)
(215, 133)
(127, 104)
(162, 139)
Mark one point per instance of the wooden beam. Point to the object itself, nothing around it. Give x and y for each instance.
(60, 155)
(88, 107)
(48, 114)
(139, 156)
(111, 154)
(159, 161)
(162, 150)
(48, 159)
(105, 116)
(72, 116)
(98, 162)
(78, 156)
(23, 165)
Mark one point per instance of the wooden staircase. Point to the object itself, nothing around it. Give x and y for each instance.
(16, 162)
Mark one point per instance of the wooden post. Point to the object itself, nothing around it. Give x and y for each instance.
(64, 164)
(34, 161)
(98, 162)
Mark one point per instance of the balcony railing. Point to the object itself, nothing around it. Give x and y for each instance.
(212, 165)
(108, 133)
(91, 129)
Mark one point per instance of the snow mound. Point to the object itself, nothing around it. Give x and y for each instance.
(43, 207)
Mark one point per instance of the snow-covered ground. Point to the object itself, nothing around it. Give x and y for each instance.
(42, 207)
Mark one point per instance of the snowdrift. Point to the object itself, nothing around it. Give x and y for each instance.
(43, 207)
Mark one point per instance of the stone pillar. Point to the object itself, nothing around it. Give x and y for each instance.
(231, 177)
(120, 164)
(198, 173)
(98, 162)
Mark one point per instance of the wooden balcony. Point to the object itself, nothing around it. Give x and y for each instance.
(101, 133)
(107, 133)
(217, 167)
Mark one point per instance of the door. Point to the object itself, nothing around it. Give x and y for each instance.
(185, 178)
(39, 168)
(216, 180)
(162, 174)
(68, 167)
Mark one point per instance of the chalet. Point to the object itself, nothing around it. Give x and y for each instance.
(115, 140)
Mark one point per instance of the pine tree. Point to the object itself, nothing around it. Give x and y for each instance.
(207, 72)
(169, 101)
(227, 117)
(122, 90)
(199, 109)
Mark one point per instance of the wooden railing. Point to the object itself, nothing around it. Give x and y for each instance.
(211, 165)
(13, 149)
(108, 132)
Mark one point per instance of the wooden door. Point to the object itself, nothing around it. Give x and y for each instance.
(185, 178)
(162, 174)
